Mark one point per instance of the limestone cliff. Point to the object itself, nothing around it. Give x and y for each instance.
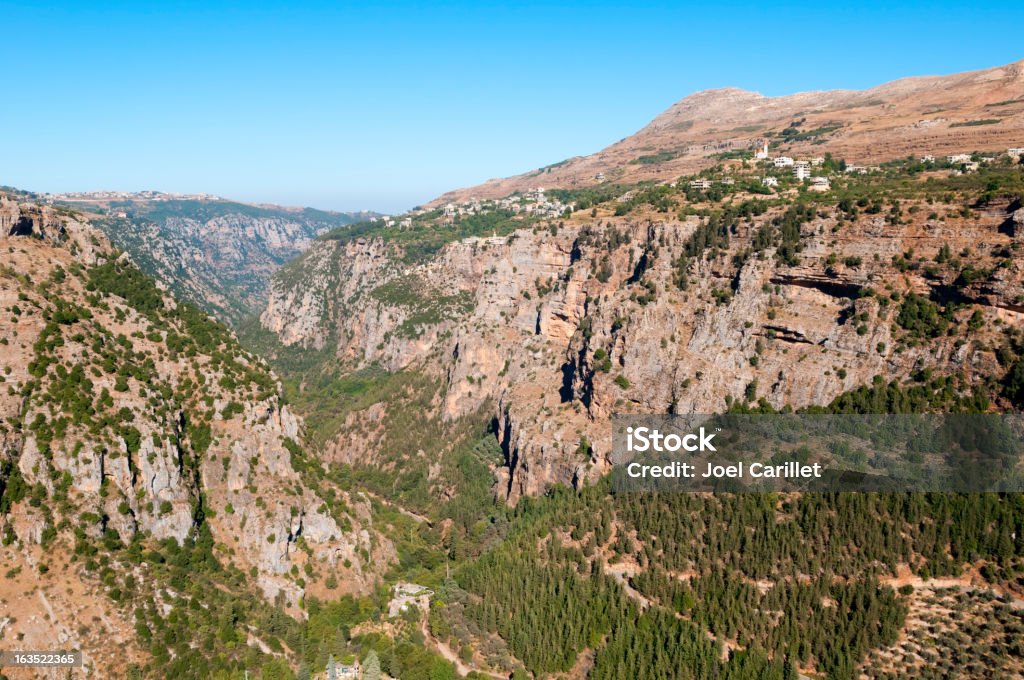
(558, 326)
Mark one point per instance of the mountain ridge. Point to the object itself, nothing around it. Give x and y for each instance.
(695, 129)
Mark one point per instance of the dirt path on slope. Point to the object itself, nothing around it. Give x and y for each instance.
(405, 511)
(448, 653)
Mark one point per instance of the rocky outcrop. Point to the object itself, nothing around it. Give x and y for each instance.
(17, 219)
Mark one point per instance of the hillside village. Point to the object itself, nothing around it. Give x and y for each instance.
(754, 171)
(534, 203)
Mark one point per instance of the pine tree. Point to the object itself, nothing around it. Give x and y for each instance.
(394, 665)
(789, 670)
(371, 666)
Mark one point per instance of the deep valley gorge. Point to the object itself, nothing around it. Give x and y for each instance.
(252, 441)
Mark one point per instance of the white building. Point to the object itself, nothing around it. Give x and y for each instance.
(405, 595)
(770, 182)
(782, 162)
(1015, 151)
(700, 184)
(801, 172)
(971, 167)
(762, 154)
(959, 158)
(817, 160)
(339, 669)
(727, 181)
(928, 158)
(820, 184)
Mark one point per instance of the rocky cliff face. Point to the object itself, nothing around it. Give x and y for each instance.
(560, 326)
(320, 283)
(692, 277)
(127, 416)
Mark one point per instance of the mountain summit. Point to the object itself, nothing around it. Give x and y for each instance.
(974, 111)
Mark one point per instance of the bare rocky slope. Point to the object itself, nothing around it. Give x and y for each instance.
(128, 420)
(923, 115)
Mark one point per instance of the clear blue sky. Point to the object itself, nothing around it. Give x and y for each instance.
(382, 107)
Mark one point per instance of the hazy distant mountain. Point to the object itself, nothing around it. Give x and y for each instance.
(217, 253)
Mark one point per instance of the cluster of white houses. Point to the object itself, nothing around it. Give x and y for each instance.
(787, 162)
(1013, 152)
(801, 170)
(971, 162)
(817, 182)
(705, 184)
(402, 222)
(852, 169)
(534, 202)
